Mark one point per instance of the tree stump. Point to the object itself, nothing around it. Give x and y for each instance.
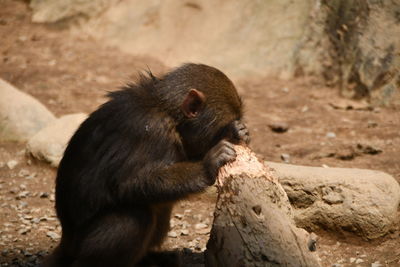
(253, 221)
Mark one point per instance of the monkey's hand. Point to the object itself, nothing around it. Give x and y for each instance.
(217, 157)
(240, 132)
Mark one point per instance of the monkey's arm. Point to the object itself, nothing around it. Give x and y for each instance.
(157, 182)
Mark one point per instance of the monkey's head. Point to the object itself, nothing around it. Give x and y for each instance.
(206, 105)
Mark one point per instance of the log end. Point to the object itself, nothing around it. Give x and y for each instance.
(246, 162)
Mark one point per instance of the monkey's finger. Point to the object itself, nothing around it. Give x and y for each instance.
(239, 125)
(245, 136)
(225, 158)
(228, 148)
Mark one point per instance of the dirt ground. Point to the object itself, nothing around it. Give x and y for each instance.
(71, 73)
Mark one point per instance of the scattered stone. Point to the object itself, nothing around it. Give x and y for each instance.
(23, 194)
(285, 89)
(376, 264)
(203, 231)
(23, 173)
(337, 265)
(24, 231)
(54, 236)
(304, 109)
(178, 216)
(372, 124)
(44, 195)
(330, 135)
(285, 158)
(361, 201)
(11, 164)
(30, 176)
(172, 234)
(352, 260)
(200, 226)
(185, 232)
(312, 242)
(22, 205)
(50, 142)
(368, 149)
(359, 261)
(278, 127)
(22, 38)
(14, 190)
(348, 104)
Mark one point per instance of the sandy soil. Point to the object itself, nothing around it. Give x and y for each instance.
(71, 73)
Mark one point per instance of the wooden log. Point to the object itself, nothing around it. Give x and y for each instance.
(253, 220)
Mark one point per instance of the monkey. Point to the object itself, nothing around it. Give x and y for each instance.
(153, 143)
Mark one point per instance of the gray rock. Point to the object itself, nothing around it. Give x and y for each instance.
(53, 235)
(278, 127)
(21, 115)
(172, 234)
(49, 144)
(356, 200)
(285, 157)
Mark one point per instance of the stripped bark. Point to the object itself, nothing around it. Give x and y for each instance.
(253, 221)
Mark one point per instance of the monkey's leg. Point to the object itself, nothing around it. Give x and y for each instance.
(162, 213)
(119, 240)
(161, 259)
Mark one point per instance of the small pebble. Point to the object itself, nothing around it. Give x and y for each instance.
(185, 232)
(304, 109)
(172, 234)
(24, 231)
(285, 157)
(178, 215)
(330, 135)
(44, 195)
(278, 127)
(11, 164)
(203, 231)
(200, 226)
(23, 194)
(53, 235)
(23, 173)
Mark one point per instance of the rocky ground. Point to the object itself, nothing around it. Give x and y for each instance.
(297, 121)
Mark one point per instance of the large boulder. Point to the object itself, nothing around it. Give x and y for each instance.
(21, 115)
(340, 199)
(49, 144)
(350, 43)
(240, 37)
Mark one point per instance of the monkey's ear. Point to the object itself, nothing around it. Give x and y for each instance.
(193, 103)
